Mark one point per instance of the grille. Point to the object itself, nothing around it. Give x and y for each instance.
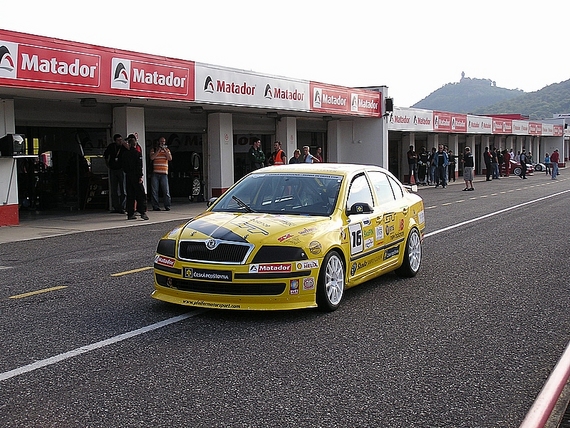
(224, 252)
(274, 289)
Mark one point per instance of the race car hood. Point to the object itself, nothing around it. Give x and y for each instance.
(253, 227)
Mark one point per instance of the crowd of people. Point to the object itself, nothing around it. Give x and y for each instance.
(256, 158)
(438, 166)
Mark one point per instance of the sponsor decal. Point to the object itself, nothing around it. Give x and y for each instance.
(164, 261)
(228, 87)
(270, 268)
(421, 217)
(368, 243)
(284, 237)
(209, 275)
(309, 283)
(390, 229)
(149, 77)
(353, 269)
(315, 247)
(356, 266)
(40, 64)
(307, 264)
(391, 252)
(379, 233)
(308, 230)
(294, 286)
(402, 223)
(8, 57)
(283, 94)
(250, 227)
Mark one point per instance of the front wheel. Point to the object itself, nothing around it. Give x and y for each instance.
(412, 256)
(517, 170)
(330, 287)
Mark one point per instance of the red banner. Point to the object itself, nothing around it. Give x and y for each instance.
(28, 61)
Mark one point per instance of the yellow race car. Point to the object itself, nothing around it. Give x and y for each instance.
(292, 236)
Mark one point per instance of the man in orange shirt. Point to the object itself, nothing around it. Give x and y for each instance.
(278, 157)
(160, 156)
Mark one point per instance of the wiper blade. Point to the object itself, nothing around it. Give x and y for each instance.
(243, 204)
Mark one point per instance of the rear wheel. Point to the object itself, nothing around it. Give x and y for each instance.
(330, 287)
(412, 256)
(517, 170)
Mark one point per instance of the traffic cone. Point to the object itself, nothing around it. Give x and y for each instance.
(412, 178)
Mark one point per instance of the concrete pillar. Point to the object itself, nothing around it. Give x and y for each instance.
(286, 132)
(130, 120)
(453, 145)
(220, 159)
(9, 204)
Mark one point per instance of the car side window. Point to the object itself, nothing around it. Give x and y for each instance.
(359, 192)
(382, 186)
(398, 192)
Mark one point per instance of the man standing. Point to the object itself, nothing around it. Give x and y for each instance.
(278, 157)
(160, 156)
(412, 164)
(307, 156)
(523, 160)
(255, 156)
(468, 165)
(440, 161)
(554, 159)
(112, 157)
(132, 162)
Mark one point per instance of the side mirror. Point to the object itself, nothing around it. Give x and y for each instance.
(360, 208)
(211, 201)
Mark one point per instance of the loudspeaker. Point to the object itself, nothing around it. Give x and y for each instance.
(12, 145)
(389, 105)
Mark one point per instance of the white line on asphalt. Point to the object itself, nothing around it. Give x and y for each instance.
(87, 348)
(473, 220)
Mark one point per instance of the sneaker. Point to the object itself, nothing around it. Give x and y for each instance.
(144, 216)
(156, 209)
(131, 217)
(166, 208)
(471, 188)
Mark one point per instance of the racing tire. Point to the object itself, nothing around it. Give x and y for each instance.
(517, 170)
(412, 255)
(538, 167)
(330, 286)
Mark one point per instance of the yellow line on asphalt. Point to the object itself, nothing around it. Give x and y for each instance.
(33, 293)
(128, 272)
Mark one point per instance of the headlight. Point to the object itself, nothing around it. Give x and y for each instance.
(167, 247)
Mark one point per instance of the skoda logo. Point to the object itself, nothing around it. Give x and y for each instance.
(211, 244)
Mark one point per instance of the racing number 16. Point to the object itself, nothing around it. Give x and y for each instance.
(355, 238)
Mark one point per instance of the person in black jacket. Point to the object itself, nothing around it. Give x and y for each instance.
(132, 161)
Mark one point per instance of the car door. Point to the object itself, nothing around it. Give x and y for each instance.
(390, 217)
(365, 257)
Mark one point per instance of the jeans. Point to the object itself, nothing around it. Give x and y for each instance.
(554, 170)
(441, 175)
(160, 182)
(117, 189)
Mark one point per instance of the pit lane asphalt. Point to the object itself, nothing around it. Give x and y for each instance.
(44, 224)
(77, 222)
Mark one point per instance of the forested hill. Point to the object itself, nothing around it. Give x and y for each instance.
(482, 96)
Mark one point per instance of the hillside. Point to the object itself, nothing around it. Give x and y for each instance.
(542, 104)
(482, 96)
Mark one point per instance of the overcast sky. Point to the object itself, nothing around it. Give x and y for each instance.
(414, 47)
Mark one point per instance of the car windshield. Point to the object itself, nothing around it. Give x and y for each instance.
(283, 193)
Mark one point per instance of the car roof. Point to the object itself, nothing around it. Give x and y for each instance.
(320, 168)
